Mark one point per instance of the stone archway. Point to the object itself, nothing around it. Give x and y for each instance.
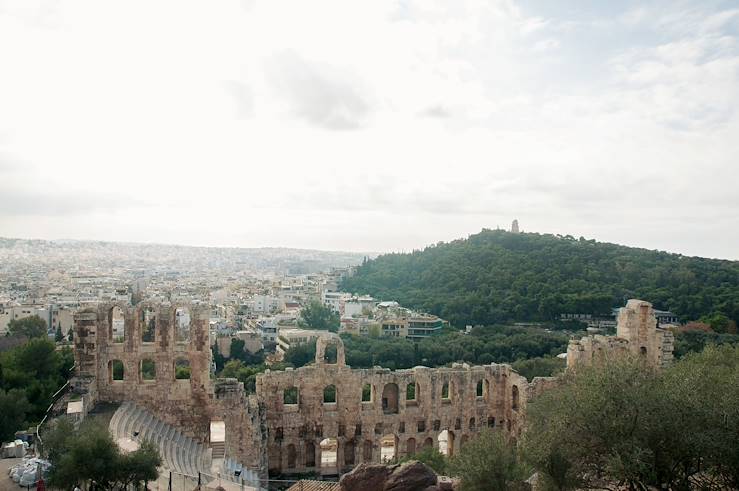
(390, 399)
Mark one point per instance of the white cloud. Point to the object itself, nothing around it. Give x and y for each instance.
(216, 123)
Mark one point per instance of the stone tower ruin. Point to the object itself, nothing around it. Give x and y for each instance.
(637, 333)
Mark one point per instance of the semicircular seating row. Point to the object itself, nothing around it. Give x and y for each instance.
(180, 453)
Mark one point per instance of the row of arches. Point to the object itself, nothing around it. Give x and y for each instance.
(147, 370)
(352, 452)
(391, 395)
(181, 320)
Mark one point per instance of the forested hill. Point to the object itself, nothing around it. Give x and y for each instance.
(496, 276)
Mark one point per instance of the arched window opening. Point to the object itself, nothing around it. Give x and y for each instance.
(367, 451)
(491, 422)
(182, 324)
(514, 398)
(349, 453)
(428, 443)
(367, 393)
(390, 399)
(330, 355)
(643, 351)
(292, 455)
(329, 394)
(310, 454)
(458, 424)
(410, 447)
(181, 369)
(446, 443)
(472, 423)
(148, 325)
(116, 370)
(148, 370)
(388, 449)
(411, 392)
(479, 392)
(290, 396)
(445, 391)
(117, 327)
(329, 448)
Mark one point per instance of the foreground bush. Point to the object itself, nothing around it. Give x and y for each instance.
(624, 423)
(91, 455)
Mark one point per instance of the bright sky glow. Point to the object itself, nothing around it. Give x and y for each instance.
(370, 126)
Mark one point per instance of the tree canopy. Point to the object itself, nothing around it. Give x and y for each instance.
(495, 276)
(315, 315)
(624, 422)
(90, 454)
(29, 375)
(500, 344)
(32, 327)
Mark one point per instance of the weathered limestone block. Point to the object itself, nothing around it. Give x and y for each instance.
(409, 476)
(365, 477)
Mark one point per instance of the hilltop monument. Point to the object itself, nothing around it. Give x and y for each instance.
(514, 227)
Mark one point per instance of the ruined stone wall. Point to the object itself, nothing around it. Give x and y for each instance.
(262, 431)
(295, 431)
(184, 403)
(636, 333)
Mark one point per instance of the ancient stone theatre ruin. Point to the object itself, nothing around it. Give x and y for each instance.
(325, 417)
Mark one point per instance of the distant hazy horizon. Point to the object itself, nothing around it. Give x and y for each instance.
(370, 126)
(358, 252)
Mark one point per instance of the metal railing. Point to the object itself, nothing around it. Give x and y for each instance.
(54, 400)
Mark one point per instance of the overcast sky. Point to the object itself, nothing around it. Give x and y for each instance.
(373, 125)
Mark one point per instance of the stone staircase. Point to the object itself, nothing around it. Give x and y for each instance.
(219, 449)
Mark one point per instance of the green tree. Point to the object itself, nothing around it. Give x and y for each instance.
(245, 374)
(301, 354)
(488, 463)
(315, 315)
(624, 422)
(539, 367)
(719, 323)
(238, 352)
(32, 327)
(59, 337)
(13, 411)
(218, 358)
(90, 454)
(495, 276)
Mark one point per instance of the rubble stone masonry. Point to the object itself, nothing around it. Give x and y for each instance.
(351, 415)
(637, 333)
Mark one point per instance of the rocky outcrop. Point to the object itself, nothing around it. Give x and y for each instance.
(410, 476)
(365, 477)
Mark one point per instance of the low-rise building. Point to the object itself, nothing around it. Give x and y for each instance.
(291, 336)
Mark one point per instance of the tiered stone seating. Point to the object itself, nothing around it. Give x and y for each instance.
(180, 454)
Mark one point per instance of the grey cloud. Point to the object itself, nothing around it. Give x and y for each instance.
(319, 94)
(243, 97)
(387, 194)
(436, 111)
(27, 202)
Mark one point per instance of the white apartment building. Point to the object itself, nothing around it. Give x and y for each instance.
(335, 300)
